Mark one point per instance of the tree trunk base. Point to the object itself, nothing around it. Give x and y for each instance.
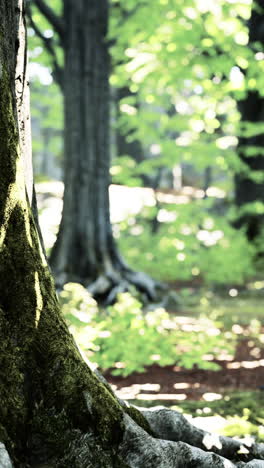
(174, 443)
(106, 287)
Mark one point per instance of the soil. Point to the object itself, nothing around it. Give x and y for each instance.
(172, 383)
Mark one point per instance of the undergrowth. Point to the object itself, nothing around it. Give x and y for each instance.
(125, 338)
(190, 242)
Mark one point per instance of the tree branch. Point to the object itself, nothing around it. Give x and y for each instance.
(49, 46)
(55, 21)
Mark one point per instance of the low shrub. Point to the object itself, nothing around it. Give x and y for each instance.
(125, 338)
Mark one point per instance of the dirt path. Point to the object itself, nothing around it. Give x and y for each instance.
(173, 383)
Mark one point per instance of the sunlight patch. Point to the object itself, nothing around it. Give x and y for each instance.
(243, 450)
(161, 396)
(227, 464)
(181, 385)
(16, 193)
(39, 300)
(212, 396)
(212, 440)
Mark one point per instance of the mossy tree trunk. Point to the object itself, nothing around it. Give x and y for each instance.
(54, 411)
(85, 250)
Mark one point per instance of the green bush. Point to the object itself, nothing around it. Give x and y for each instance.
(194, 244)
(125, 339)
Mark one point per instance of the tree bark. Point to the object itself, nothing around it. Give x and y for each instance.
(54, 410)
(252, 110)
(85, 230)
(123, 147)
(85, 249)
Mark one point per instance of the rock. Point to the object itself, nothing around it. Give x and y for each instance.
(5, 461)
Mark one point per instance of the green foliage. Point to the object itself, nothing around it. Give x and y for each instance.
(47, 126)
(123, 171)
(125, 338)
(187, 68)
(243, 412)
(47, 105)
(242, 426)
(80, 311)
(191, 242)
(242, 308)
(37, 50)
(185, 71)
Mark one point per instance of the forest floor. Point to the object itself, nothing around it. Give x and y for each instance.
(229, 400)
(241, 375)
(245, 370)
(242, 370)
(174, 384)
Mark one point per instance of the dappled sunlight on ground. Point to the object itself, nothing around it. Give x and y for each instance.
(235, 313)
(174, 383)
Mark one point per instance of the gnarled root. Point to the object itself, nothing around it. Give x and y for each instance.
(107, 286)
(139, 450)
(171, 425)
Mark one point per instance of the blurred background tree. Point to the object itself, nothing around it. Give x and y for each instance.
(249, 183)
(175, 122)
(85, 249)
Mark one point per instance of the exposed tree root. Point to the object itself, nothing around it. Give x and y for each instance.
(165, 439)
(5, 461)
(171, 425)
(139, 450)
(107, 286)
(158, 438)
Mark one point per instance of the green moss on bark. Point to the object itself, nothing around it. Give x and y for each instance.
(55, 390)
(13, 382)
(48, 390)
(8, 140)
(48, 394)
(86, 451)
(51, 402)
(138, 417)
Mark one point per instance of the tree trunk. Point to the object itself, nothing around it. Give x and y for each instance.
(252, 110)
(123, 146)
(54, 410)
(85, 249)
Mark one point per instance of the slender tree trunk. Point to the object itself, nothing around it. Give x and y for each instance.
(85, 249)
(82, 246)
(54, 410)
(252, 111)
(123, 147)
